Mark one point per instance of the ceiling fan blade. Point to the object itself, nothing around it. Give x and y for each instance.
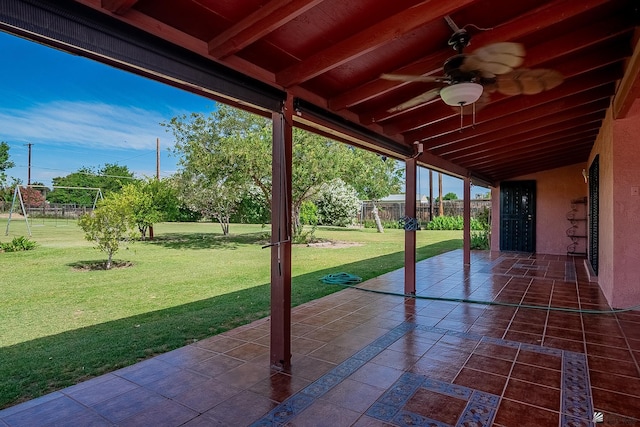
(494, 59)
(528, 82)
(413, 78)
(420, 99)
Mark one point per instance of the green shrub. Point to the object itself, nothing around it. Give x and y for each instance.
(308, 213)
(337, 203)
(446, 223)
(455, 223)
(480, 240)
(18, 244)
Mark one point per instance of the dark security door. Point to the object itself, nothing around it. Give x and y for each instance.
(518, 216)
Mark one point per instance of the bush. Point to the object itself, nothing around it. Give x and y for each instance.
(308, 213)
(338, 204)
(252, 209)
(18, 244)
(455, 223)
(480, 240)
(446, 223)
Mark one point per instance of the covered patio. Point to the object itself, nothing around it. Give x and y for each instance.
(365, 358)
(374, 358)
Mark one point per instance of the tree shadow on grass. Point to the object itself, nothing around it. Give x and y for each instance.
(33, 368)
(208, 240)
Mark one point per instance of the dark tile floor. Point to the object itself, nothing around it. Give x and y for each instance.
(373, 359)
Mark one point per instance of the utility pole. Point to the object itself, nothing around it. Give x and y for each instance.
(430, 195)
(441, 203)
(29, 145)
(157, 178)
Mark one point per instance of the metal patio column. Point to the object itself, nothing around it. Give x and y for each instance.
(280, 349)
(466, 233)
(410, 232)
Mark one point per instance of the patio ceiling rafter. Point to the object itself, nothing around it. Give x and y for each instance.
(331, 54)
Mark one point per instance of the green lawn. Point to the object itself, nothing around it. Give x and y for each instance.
(60, 325)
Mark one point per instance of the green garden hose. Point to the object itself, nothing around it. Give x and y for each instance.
(349, 280)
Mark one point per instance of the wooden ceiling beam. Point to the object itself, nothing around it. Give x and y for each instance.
(258, 24)
(561, 130)
(561, 97)
(527, 167)
(558, 144)
(119, 7)
(629, 89)
(573, 67)
(364, 42)
(548, 14)
(513, 126)
(546, 156)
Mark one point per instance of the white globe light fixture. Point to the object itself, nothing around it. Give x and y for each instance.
(461, 94)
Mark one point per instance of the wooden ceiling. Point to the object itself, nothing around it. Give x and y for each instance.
(331, 53)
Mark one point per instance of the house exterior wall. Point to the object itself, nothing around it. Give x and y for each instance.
(618, 146)
(554, 191)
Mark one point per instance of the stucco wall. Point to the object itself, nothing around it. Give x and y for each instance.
(620, 276)
(555, 189)
(604, 149)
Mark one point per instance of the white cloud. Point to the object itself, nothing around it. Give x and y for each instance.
(86, 124)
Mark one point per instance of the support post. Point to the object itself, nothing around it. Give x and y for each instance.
(467, 222)
(280, 345)
(410, 234)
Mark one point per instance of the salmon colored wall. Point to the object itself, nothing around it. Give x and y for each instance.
(555, 189)
(604, 149)
(619, 254)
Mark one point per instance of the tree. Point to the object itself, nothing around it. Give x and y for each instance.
(373, 177)
(109, 178)
(448, 196)
(151, 201)
(213, 199)
(109, 225)
(5, 163)
(32, 197)
(234, 147)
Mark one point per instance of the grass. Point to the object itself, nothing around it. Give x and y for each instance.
(60, 324)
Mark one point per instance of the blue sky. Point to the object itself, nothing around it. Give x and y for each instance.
(80, 113)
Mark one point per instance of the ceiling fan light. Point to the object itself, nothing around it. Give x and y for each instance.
(461, 94)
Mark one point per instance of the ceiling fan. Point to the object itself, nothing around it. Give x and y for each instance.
(470, 78)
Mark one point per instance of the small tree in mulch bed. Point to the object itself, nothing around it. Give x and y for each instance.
(110, 225)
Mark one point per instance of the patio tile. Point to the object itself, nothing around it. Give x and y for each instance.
(239, 410)
(51, 411)
(482, 380)
(536, 375)
(519, 414)
(245, 375)
(489, 364)
(167, 414)
(364, 359)
(128, 404)
(206, 395)
(99, 389)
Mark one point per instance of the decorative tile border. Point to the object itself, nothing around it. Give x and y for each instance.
(576, 406)
(481, 407)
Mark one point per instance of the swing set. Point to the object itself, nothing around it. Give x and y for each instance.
(17, 196)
